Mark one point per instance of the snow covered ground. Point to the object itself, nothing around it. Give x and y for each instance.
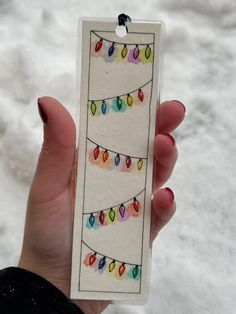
(194, 258)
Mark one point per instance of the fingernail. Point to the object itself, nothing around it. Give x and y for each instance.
(180, 104)
(172, 196)
(170, 137)
(42, 113)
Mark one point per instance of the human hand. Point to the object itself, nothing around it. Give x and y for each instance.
(47, 242)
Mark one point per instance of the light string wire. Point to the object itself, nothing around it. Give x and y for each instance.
(111, 258)
(90, 100)
(120, 43)
(105, 209)
(112, 151)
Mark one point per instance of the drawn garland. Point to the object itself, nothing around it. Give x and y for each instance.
(103, 154)
(119, 212)
(120, 269)
(134, 52)
(117, 103)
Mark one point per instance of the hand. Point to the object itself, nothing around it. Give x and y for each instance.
(46, 248)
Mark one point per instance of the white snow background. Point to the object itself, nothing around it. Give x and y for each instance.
(194, 258)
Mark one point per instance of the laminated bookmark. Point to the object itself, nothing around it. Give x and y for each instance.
(119, 94)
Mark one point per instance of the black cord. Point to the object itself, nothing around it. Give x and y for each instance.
(123, 19)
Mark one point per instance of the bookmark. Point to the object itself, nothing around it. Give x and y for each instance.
(119, 94)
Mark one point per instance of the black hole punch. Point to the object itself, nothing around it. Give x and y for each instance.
(123, 19)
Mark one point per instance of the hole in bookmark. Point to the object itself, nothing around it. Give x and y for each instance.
(121, 31)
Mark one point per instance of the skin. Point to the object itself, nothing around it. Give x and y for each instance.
(46, 248)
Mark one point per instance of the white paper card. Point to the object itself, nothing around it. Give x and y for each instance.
(119, 94)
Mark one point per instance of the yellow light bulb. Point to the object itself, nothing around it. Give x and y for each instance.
(129, 100)
(140, 164)
(124, 52)
(112, 265)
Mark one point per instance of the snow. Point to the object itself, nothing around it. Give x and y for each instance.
(193, 268)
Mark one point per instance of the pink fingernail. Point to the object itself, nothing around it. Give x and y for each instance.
(180, 104)
(170, 137)
(172, 196)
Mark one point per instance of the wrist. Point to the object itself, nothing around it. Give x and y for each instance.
(60, 278)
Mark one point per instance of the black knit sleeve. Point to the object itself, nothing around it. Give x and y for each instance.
(22, 291)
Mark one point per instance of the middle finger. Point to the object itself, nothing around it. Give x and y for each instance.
(166, 154)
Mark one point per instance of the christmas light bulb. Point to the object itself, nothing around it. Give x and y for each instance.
(92, 259)
(119, 103)
(102, 263)
(117, 160)
(102, 217)
(98, 45)
(93, 107)
(140, 164)
(140, 95)
(104, 107)
(124, 51)
(129, 100)
(136, 52)
(112, 265)
(148, 52)
(112, 214)
(96, 152)
(122, 269)
(136, 204)
(91, 220)
(128, 161)
(105, 156)
(135, 271)
(111, 50)
(122, 210)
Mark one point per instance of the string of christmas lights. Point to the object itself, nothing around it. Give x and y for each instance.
(124, 52)
(120, 212)
(120, 269)
(104, 154)
(117, 103)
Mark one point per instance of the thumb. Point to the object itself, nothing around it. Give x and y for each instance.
(55, 162)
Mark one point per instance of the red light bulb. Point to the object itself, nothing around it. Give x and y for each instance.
(102, 218)
(140, 95)
(92, 259)
(136, 205)
(96, 152)
(128, 161)
(98, 45)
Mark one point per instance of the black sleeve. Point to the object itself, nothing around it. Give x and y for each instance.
(22, 291)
